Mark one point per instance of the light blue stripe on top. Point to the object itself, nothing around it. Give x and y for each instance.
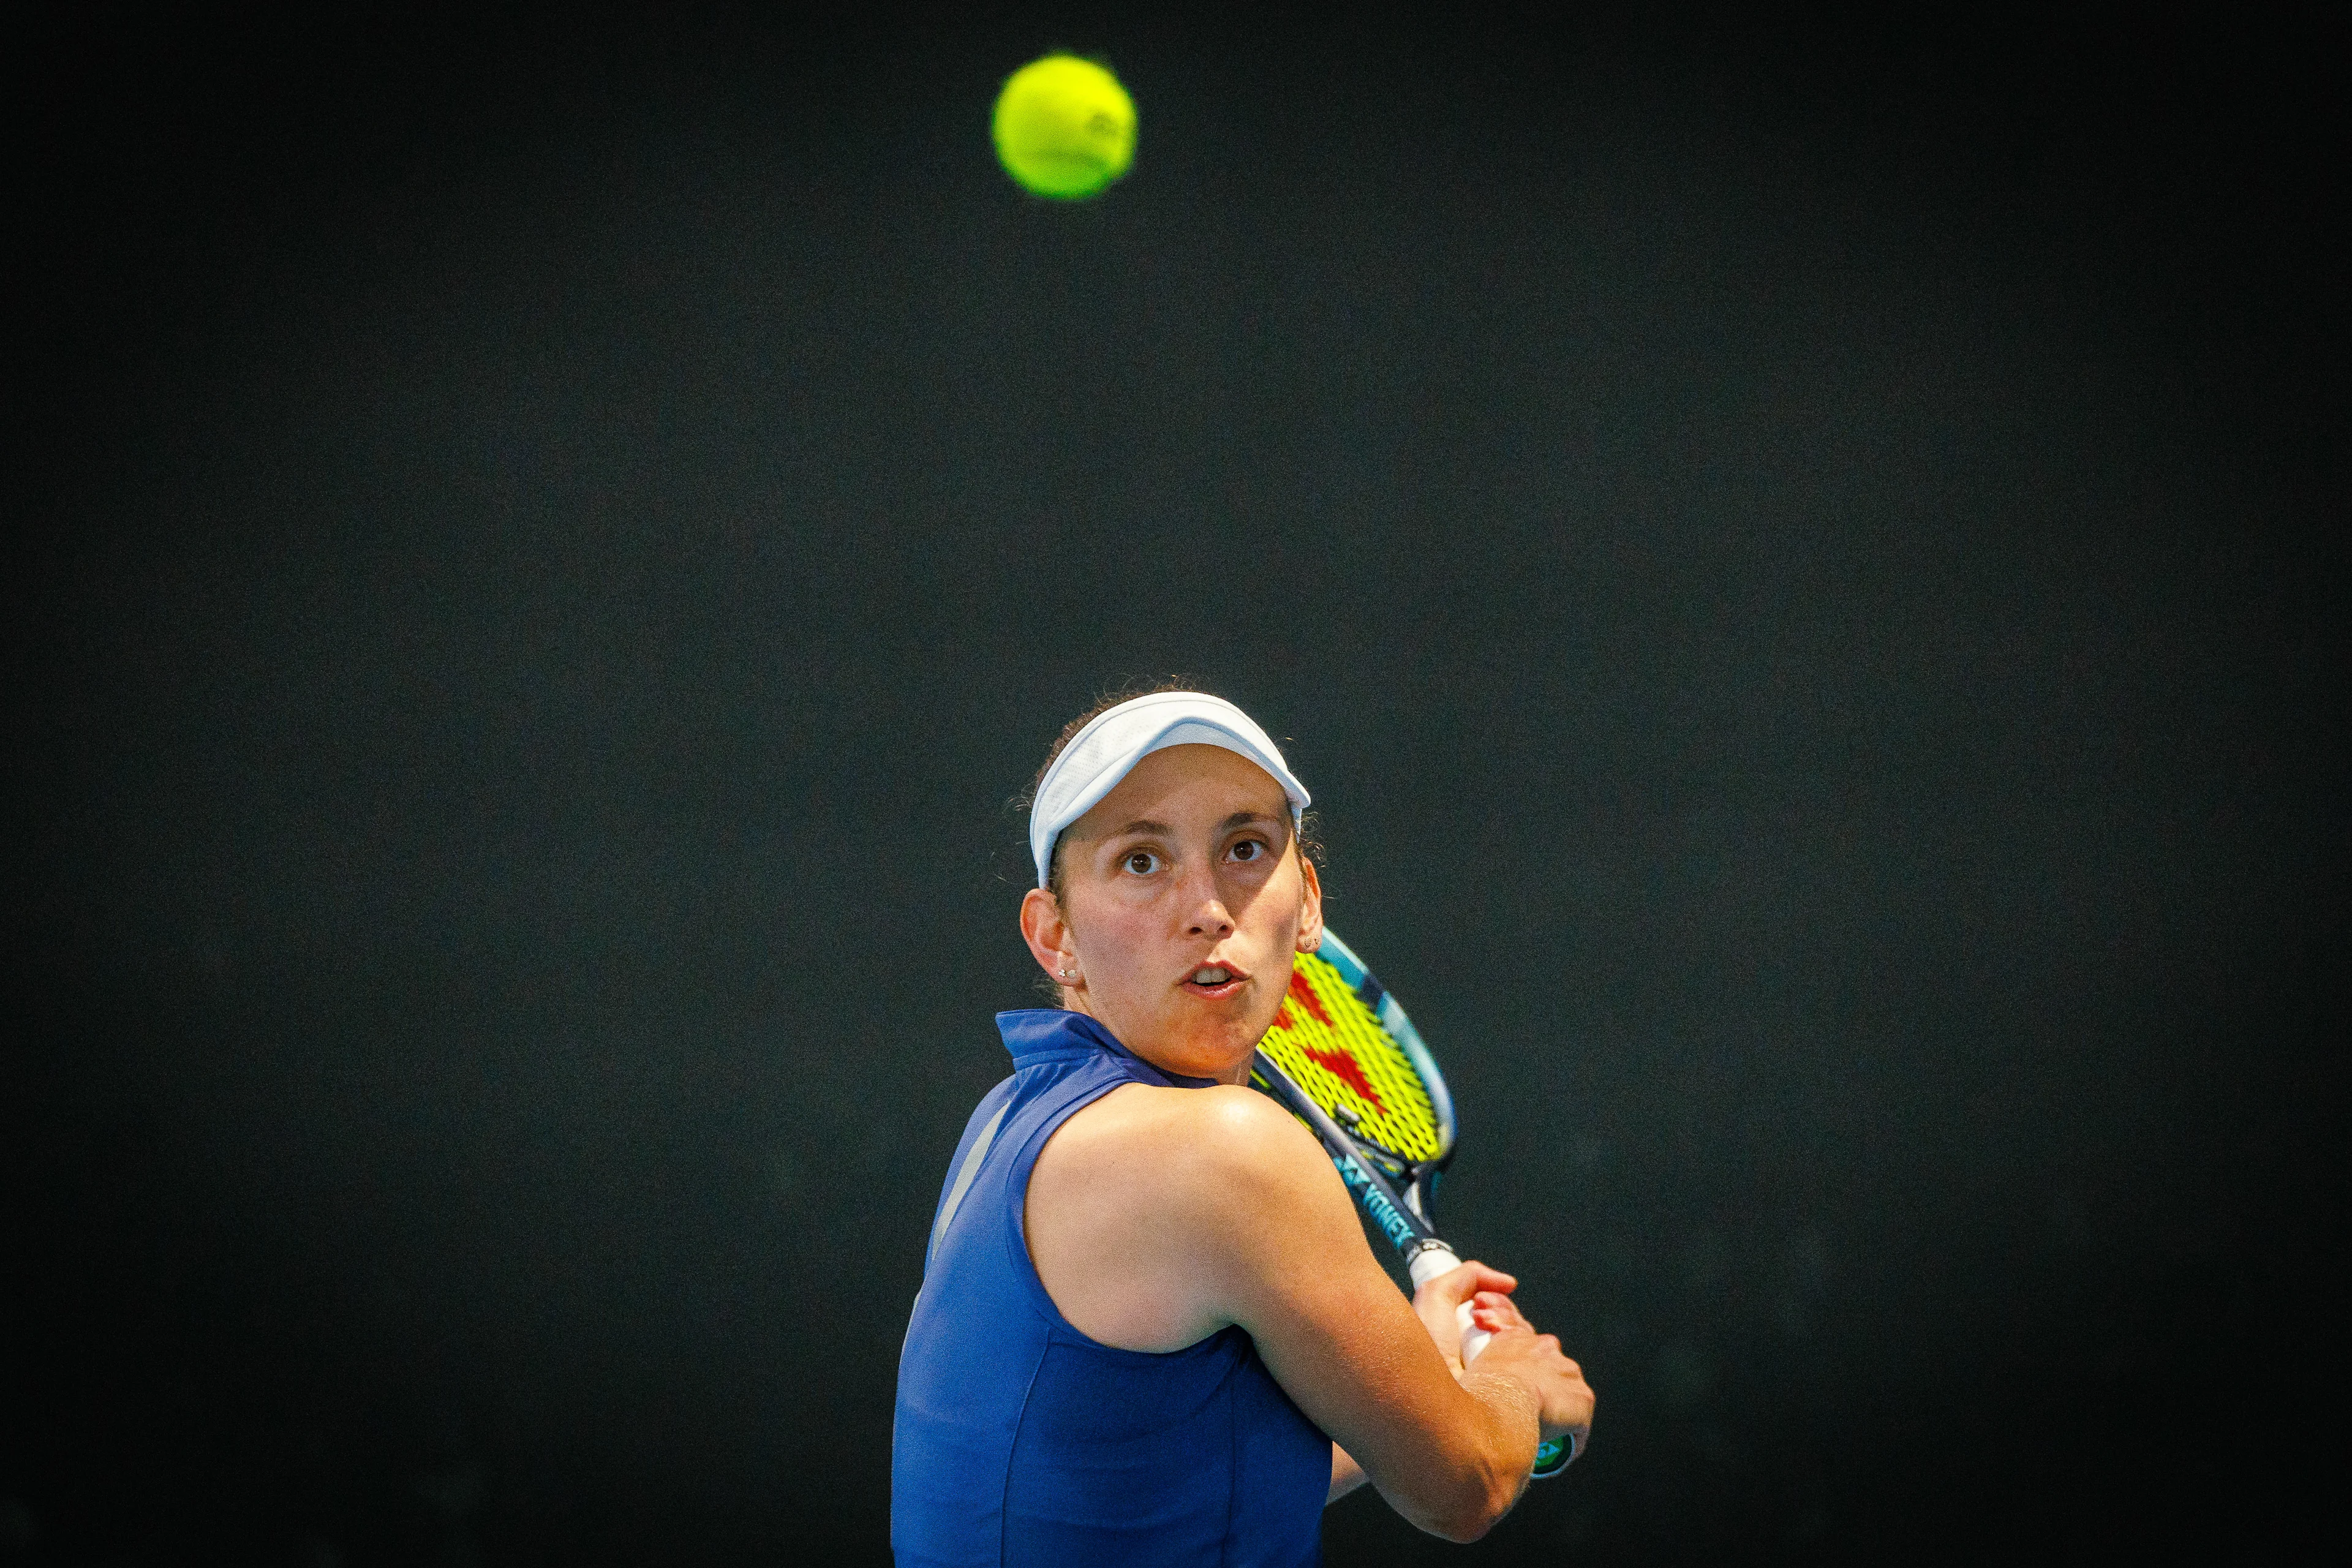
(963, 1180)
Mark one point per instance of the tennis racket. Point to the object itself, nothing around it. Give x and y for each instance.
(1345, 1059)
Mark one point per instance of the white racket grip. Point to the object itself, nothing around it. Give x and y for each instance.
(1427, 1265)
(1473, 1340)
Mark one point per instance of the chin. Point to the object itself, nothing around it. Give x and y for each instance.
(1220, 1048)
(1206, 1042)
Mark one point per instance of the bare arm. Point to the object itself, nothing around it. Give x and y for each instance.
(1173, 1212)
(1450, 1456)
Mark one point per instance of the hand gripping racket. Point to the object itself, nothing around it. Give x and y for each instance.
(1342, 1051)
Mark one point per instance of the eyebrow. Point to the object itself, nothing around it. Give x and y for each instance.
(1238, 819)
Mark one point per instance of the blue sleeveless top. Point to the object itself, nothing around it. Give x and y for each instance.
(1017, 1439)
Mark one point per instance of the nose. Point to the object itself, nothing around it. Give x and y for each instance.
(1212, 921)
(1210, 917)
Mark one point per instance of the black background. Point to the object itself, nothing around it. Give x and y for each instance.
(1802, 561)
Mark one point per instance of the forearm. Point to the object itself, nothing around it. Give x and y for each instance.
(1504, 1449)
(1477, 1470)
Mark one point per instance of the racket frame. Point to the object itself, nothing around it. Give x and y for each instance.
(1406, 1214)
(1399, 1026)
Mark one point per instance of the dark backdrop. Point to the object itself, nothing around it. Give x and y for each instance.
(1804, 564)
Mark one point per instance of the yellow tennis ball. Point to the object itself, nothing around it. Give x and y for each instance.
(1064, 128)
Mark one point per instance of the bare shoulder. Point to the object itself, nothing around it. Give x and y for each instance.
(1219, 1137)
(1238, 1140)
(1150, 1212)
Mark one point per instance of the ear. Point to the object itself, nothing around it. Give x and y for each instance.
(1048, 935)
(1310, 907)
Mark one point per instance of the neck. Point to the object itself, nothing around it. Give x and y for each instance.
(1236, 1072)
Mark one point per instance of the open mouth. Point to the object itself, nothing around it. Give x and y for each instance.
(1214, 980)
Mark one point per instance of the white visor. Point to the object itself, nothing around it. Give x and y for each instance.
(1113, 742)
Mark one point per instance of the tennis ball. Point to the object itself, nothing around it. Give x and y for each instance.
(1064, 128)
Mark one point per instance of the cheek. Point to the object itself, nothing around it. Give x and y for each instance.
(1108, 931)
(1281, 882)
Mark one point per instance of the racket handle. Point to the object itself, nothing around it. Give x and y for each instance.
(1436, 1259)
(1429, 1259)
(1433, 1259)
(1474, 1339)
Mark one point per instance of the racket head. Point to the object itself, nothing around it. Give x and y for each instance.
(1346, 1041)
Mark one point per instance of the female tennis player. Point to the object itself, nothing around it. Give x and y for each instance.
(1150, 1329)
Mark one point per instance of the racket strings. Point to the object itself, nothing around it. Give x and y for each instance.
(1334, 1047)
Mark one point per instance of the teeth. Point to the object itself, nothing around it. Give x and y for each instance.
(1211, 976)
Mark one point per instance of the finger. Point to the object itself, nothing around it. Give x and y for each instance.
(1474, 1278)
(1457, 1286)
(1493, 1320)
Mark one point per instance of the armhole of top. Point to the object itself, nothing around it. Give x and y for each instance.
(1015, 1212)
(1016, 1239)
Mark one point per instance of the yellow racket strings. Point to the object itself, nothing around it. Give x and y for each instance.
(1333, 1047)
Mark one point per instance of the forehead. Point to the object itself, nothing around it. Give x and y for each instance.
(1186, 782)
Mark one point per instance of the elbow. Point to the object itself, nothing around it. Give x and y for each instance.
(1461, 1532)
(1484, 1497)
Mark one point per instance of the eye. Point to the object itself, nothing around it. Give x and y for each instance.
(1142, 862)
(1249, 849)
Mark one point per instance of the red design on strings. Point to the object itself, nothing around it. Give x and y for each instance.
(1344, 1068)
(1305, 996)
(1339, 1063)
